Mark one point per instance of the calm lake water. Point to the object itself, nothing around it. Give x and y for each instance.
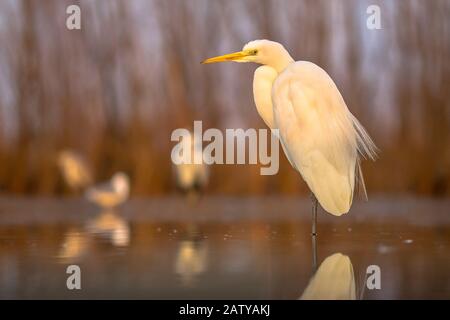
(223, 248)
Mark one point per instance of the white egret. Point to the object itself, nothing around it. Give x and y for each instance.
(111, 193)
(74, 169)
(322, 140)
(191, 177)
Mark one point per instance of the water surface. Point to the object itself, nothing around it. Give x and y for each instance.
(221, 248)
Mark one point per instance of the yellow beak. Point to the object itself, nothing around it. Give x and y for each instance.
(235, 56)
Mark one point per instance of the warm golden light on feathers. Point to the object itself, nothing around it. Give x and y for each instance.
(111, 193)
(319, 135)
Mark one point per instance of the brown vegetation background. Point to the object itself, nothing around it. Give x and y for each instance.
(116, 89)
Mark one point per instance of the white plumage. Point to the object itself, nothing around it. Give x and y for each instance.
(192, 177)
(111, 193)
(320, 137)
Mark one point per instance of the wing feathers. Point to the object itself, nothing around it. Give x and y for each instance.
(366, 147)
(320, 135)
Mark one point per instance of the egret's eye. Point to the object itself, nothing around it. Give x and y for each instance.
(254, 52)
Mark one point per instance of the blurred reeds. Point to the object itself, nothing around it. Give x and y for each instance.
(116, 89)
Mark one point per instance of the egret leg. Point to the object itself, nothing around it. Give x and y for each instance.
(314, 253)
(314, 233)
(314, 215)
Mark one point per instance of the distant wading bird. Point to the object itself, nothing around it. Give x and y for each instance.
(320, 137)
(112, 193)
(74, 170)
(192, 178)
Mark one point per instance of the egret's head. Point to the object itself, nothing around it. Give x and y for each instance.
(264, 52)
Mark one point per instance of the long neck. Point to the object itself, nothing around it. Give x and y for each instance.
(282, 60)
(263, 80)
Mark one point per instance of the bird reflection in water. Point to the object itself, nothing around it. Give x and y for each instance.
(74, 245)
(108, 225)
(191, 257)
(111, 226)
(333, 280)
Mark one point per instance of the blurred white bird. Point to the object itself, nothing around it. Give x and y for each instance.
(319, 135)
(74, 170)
(111, 193)
(192, 178)
(107, 225)
(334, 280)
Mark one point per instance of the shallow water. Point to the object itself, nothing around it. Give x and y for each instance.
(223, 248)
